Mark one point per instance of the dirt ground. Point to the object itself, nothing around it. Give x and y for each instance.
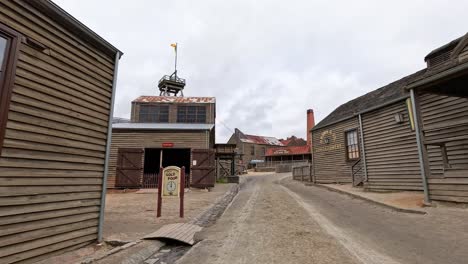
(274, 219)
(264, 225)
(131, 215)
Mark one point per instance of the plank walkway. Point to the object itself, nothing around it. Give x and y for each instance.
(182, 232)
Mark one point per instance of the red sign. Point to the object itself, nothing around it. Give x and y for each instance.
(167, 145)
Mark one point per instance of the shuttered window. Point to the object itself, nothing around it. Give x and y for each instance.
(191, 114)
(154, 114)
(352, 145)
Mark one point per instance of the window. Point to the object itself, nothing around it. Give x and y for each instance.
(252, 150)
(191, 114)
(154, 114)
(352, 145)
(8, 56)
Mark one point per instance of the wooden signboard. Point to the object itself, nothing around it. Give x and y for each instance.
(171, 183)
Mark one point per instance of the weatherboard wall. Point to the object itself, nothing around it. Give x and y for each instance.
(391, 150)
(330, 164)
(142, 139)
(445, 118)
(52, 160)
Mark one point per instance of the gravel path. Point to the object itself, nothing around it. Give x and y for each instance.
(264, 224)
(276, 220)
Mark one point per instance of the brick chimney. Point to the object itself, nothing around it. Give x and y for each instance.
(310, 125)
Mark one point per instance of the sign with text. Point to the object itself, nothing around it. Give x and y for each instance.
(171, 181)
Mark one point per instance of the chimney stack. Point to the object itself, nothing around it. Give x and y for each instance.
(310, 125)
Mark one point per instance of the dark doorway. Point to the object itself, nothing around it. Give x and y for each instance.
(170, 157)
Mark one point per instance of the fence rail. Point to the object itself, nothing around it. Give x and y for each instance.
(303, 173)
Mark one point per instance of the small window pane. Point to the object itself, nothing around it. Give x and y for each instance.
(3, 45)
(352, 147)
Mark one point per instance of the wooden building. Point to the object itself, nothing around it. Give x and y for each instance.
(252, 148)
(441, 106)
(57, 84)
(390, 139)
(164, 131)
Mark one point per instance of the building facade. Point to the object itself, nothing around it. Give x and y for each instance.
(57, 83)
(164, 131)
(252, 148)
(408, 135)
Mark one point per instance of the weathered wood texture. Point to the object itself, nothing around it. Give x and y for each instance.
(445, 119)
(463, 57)
(329, 159)
(210, 111)
(52, 162)
(140, 139)
(391, 150)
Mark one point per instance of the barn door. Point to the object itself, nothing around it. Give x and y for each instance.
(203, 168)
(129, 168)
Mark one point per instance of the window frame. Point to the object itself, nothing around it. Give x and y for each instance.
(346, 132)
(7, 78)
(184, 111)
(156, 117)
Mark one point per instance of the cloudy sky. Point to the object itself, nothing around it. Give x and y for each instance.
(266, 62)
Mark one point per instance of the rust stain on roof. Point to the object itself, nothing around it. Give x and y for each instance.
(175, 99)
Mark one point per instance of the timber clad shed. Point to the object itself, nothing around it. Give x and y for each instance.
(164, 131)
(57, 81)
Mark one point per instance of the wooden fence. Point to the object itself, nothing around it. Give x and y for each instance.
(303, 173)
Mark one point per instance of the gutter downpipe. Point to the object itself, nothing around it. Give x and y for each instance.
(108, 144)
(420, 148)
(363, 148)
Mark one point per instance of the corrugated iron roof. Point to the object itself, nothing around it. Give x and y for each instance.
(261, 140)
(175, 99)
(292, 150)
(163, 126)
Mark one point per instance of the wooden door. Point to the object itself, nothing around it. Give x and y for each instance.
(203, 168)
(129, 167)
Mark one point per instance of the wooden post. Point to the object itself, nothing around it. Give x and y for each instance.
(158, 214)
(182, 192)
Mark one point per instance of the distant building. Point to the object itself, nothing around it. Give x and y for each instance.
(116, 120)
(294, 149)
(252, 148)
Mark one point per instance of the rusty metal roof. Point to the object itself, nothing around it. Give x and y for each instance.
(175, 99)
(163, 126)
(261, 140)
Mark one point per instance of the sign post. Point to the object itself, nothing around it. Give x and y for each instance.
(171, 183)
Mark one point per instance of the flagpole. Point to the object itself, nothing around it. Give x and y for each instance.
(175, 65)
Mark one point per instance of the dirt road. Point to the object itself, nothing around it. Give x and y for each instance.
(276, 220)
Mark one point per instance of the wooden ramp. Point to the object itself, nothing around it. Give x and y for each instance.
(182, 232)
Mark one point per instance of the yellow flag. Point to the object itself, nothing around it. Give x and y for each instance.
(174, 45)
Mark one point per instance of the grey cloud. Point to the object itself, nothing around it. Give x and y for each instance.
(269, 61)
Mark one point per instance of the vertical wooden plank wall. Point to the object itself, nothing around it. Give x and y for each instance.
(330, 164)
(52, 163)
(391, 150)
(445, 117)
